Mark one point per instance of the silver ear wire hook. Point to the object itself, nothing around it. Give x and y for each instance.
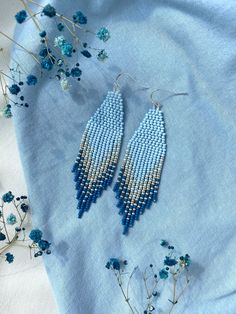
(156, 103)
(117, 85)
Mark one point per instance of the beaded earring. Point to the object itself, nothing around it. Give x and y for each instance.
(139, 177)
(99, 150)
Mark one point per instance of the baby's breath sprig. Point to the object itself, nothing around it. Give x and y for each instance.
(11, 86)
(58, 55)
(175, 268)
(12, 228)
(118, 266)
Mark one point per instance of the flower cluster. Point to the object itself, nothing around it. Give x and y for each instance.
(79, 18)
(170, 262)
(13, 213)
(49, 11)
(174, 267)
(103, 34)
(115, 264)
(8, 197)
(42, 245)
(21, 16)
(15, 89)
(58, 55)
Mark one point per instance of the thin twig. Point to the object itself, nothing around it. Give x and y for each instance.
(130, 277)
(4, 223)
(16, 236)
(16, 207)
(186, 285)
(123, 292)
(173, 302)
(11, 78)
(22, 47)
(3, 90)
(31, 15)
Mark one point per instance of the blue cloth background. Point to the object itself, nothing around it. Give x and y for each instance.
(171, 44)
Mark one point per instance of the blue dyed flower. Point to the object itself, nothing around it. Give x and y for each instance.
(60, 27)
(21, 16)
(102, 55)
(11, 219)
(14, 89)
(170, 261)
(49, 10)
(31, 80)
(6, 112)
(76, 72)
(44, 245)
(67, 50)
(2, 236)
(8, 197)
(86, 53)
(44, 52)
(163, 274)
(24, 207)
(9, 258)
(59, 41)
(35, 235)
(185, 261)
(79, 18)
(113, 263)
(103, 34)
(43, 34)
(47, 64)
(163, 243)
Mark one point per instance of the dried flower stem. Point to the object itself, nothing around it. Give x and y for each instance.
(6, 247)
(72, 32)
(22, 47)
(10, 78)
(128, 284)
(186, 285)
(118, 277)
(16, 207)
(3, 89)
(16, 236)
(4, 223)
(175, 299)
(149, 293)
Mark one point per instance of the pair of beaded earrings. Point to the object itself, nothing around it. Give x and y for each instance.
(139, 177)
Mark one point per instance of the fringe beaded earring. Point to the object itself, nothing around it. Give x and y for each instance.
(139, 177)
(99, 150)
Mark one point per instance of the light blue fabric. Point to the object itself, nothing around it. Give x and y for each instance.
(172, 44)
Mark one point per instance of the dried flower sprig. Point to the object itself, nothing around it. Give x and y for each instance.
(12, 228)
(58, 55)
(175, 268)
(11, 87)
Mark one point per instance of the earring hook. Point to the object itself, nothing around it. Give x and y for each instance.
(157, 104)
(117, 86)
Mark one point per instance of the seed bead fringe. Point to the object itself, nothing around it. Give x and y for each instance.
(99, 150)
(139, 177)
